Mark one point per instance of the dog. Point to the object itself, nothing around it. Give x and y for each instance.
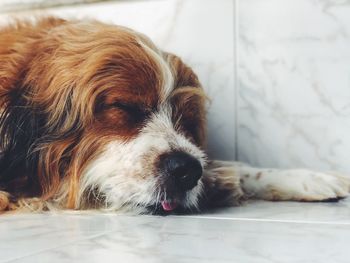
(95, 116)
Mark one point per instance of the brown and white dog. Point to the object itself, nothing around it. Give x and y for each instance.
(95, 116)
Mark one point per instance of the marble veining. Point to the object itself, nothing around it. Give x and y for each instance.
(293, 83)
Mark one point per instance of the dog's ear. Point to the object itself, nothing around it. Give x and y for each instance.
(189, 99)
(16, 122)
(21, 124)
(40, 122)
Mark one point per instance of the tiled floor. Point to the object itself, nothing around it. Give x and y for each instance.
(256, 232)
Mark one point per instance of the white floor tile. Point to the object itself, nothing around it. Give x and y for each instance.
(179, 239)
(256, 232)
(22, 235)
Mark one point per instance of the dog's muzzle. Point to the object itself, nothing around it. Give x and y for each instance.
(180, 172)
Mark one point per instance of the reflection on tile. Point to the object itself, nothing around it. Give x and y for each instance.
(293, 73)
(22, 235)
(179, 239)
(316, 212)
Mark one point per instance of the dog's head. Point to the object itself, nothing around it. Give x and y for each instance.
(97, 115)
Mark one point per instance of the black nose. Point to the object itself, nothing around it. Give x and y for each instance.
(183, 168)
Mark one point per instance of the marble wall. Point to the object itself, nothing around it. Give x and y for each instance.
(293, 83)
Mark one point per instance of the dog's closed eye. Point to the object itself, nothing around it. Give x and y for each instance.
(134, 111)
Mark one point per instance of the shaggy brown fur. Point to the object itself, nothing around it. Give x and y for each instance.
(62, 85)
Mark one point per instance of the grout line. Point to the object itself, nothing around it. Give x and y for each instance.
(266, 220)
(235, 76)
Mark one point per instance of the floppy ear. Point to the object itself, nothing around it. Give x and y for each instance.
(17, 124)
(39, 126)
(21, 124)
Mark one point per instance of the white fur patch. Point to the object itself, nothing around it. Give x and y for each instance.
(124, 174)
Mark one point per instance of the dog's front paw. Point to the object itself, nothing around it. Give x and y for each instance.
(305, 185)
(328, 186)
(4, 200)
(222, 185)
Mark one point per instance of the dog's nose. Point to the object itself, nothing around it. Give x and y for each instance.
(185, 169)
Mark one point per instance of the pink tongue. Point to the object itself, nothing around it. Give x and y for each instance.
(169, 206)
